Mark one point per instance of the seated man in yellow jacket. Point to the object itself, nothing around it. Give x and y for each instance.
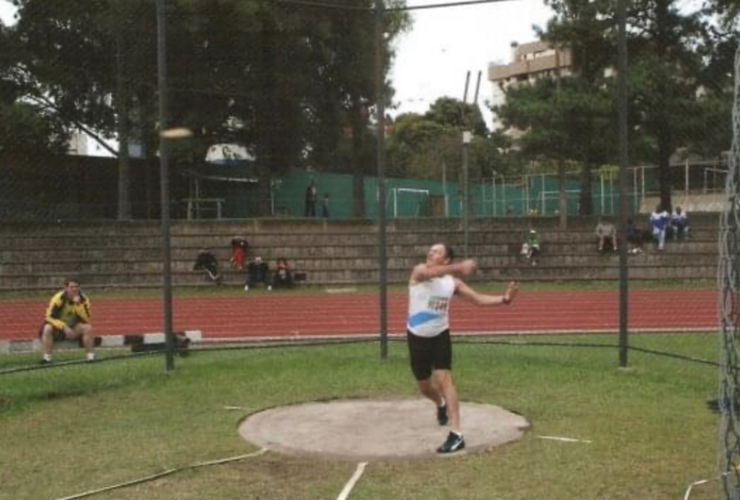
(68, 317)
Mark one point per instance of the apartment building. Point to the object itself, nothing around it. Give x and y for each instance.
(531, 61)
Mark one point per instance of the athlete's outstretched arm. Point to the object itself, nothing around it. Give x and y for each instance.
(482, 299)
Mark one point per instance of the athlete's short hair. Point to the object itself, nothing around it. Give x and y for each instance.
(449, 252)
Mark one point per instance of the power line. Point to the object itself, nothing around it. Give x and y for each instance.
(443, 5)
(462, 3)
(309, 3)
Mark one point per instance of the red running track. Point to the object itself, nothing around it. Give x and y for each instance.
(282, 315)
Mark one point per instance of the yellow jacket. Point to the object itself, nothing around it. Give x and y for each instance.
(63, 311)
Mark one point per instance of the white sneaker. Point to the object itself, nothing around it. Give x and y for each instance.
(269, 288)
(246, 288)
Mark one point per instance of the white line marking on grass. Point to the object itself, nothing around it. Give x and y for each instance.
(565, 439)
(705, 481)
(353, 480)
(161, 474)
(691, 486)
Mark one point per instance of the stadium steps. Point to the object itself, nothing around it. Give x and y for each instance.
(128, 255)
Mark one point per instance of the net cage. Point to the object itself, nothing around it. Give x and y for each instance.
(274, 137)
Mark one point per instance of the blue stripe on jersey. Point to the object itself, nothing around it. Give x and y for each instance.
(421, 318)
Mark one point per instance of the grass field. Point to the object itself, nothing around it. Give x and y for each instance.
(70, 429)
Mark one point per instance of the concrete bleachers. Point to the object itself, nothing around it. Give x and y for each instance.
(129, 254)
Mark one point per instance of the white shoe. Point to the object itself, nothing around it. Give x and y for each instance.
(269, 288)
(246, 288)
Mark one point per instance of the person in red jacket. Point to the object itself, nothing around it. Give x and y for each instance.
(239, 248)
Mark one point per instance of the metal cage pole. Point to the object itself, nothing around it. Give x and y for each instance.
(164, 180)
(623, 163)
(380, 98)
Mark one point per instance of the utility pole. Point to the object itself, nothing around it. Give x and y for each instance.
(465, 142)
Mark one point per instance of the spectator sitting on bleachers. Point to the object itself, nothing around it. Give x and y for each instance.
(659, 222)
(607, 234)
(531, 247)
(634, 237)
(283, 276)
(680, 224)
(257, 272)
(239, 247)
(207, 262)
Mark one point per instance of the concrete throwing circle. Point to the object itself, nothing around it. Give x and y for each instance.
(376, 429)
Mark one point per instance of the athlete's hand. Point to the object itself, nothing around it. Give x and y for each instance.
(511, 291)
(468, 267)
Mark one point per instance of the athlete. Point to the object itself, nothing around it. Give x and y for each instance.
(431, 288)
(67, 317)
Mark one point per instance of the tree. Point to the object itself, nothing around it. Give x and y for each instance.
(587, 29)
(451, 113)
(26, 129)
(346, 101)
(258, 73)
(664, 81)
(423, 146)
(668, 105)
(563, 122)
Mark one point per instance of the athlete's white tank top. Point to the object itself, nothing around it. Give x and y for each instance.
(429, 306)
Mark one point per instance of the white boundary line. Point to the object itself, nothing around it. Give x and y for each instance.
(565, 439)
(353, 480)
(705, 481)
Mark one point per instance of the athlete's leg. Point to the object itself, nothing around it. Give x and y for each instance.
(449, 393)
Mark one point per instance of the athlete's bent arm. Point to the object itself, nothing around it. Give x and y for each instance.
(425, 272)
(482, 299)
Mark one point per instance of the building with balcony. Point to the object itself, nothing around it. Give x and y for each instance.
(531, 61)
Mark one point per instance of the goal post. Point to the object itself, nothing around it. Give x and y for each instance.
(410, 202)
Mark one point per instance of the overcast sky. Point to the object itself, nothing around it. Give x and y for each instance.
(443, 44)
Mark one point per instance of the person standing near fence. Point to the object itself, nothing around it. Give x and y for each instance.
(325, 206)
(431, 288)
(67, 318)
(311, 195)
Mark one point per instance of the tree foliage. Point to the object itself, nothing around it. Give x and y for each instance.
(423, 146)
(678, 72)
(283, 81)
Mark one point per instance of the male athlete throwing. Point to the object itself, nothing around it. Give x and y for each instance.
(431, 288)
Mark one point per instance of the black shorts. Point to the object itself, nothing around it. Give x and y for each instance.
(429, 353)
